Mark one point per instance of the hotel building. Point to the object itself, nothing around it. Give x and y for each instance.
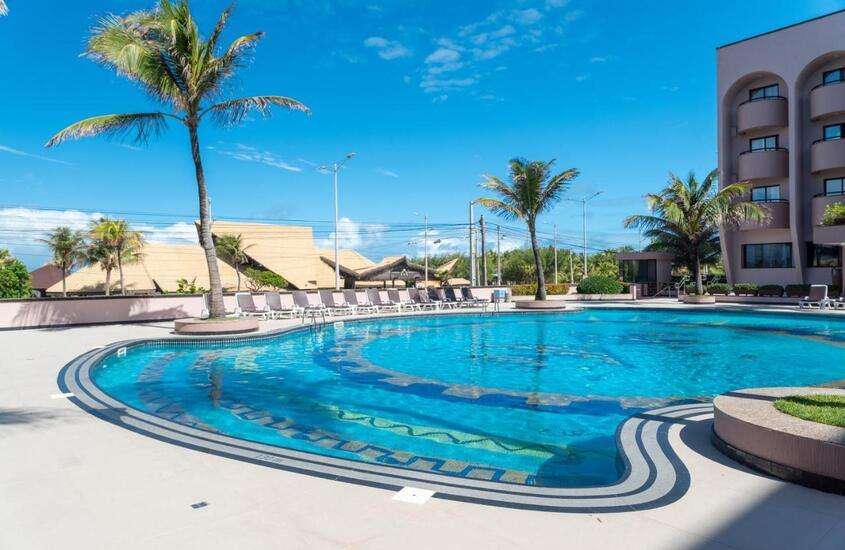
(781, 128)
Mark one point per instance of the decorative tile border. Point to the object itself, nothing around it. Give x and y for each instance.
(653, 474)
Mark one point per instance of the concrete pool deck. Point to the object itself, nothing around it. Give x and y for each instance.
(68, 478)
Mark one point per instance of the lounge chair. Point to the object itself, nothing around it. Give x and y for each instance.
(395, 297)
(472, 299)
(375, 299)
(456, 297)
(443, 298)
(278, 309)
(420, 297)
(817, 298)
(206, 308)
(361, 306)
(246, 307)
(300, 298)
(327, 297)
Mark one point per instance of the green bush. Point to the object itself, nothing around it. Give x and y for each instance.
(718, 288)
(183, 286)
(797, 291)
(14, 279)
(745, 289)
(599, 284)
(260, 279)
(531, 290)
(834, 214)
(770, 290)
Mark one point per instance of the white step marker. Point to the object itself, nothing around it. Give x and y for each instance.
(121, 352)
(61, 395)
(413, 495)
(338, 324)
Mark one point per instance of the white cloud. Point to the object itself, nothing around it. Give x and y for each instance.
(443, 55)
(18, 152)
(431, 84)
(177, 233)
(556, 3)
(251, 154)
(352, 234)
(438, 245)
(528, 16)
(386, 172)
(598, 59)
(387, 49)
(670, 89)
(581, 77)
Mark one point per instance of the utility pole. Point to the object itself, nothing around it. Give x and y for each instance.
(584, 202)
(571, 269)
(483, 280)
(555, 247)
(498, 254)
(471, 248)
(426, 250)
(335, 168)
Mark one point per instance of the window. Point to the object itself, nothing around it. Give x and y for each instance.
(834, 76)
(638, 271)
(765, 194)
(769, 255)
(833, 131)
(823, 255)
(764, 92)
(834, 186)
(763, 143)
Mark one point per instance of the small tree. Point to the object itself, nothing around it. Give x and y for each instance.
(124, 243)
(231, 249)
(99, 253)
(14, 278)
(67, 247)
(259, 279)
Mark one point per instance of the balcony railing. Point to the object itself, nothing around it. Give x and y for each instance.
(827, 154)
(778, 216)
(827, 100)
(764, 112)
(759, 164)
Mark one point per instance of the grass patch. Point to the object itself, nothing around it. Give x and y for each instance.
(825, 409)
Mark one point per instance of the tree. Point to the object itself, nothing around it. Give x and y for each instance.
(686, 216)
(232, 250)
(124, 243)
(3, 9)
(14, 278)
(258, 279)
(5, 257)
(531, 191)
(163, 51)
(68, 248)
(100, 253)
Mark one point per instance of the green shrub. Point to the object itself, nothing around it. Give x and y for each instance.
(599, 284)
(183, 286)
(745, 289)
(718, 288)
(834, 214)
(14, 279)
(797, 291)
(260, 279)
(531, 290)
(770, 290)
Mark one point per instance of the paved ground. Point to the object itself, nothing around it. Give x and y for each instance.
(68, 479)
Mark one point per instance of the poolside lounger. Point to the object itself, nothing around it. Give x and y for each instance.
(375, 299)
(327, 298)
(817, 297)
(404, 302)
(300, 298)
(340, 300)
(444, 299)
(206, 308)
(361, 305)
(407, 300)
(455, 296)
(471, 299)
(246, 307)
(278, 309)
(420, 297)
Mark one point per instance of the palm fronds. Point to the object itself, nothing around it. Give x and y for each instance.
(232, 112)
(140, 126)
(3, 9)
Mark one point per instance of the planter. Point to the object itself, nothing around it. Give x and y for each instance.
(698, 299)
(540, 305)
(233, 325)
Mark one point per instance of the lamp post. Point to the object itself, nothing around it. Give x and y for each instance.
(425, 243)
(335, 168)
(472, 274)
(584, 202)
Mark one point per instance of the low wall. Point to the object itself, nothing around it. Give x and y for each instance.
(52, 312)
(756, 300)
(579, 297)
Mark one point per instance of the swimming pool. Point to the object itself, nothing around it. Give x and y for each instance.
(521, 399)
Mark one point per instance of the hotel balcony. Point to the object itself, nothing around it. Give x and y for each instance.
(827, 155)
(833, 234)
(827, 100)
(778, 217)
(769, 112)
(763, 164)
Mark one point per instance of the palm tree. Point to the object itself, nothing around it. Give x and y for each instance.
(163, 51)
(124, 243)
(686, 216)
(68, 247)
(531, 191)
(99, 253)
(231, 249)
(3, 9)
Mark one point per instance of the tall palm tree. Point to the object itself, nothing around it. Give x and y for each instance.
(3, 9)
(231, 249)
(163, 51)
(100, 253)
(532, 190)
(68, 247)
(124, 243)
(686, 216)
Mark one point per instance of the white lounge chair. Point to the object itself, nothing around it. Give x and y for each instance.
(206, 308)
(360, 303)
(375, 299)
(279, 309)
(817, 298)
(246, 307)
(328, 298)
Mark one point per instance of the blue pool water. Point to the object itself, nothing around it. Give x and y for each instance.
(518, 398)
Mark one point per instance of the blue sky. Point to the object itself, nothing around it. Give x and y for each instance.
(430, 94)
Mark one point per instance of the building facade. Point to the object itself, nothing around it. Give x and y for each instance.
(781, 128)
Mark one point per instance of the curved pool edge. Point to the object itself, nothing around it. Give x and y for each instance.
(654, 475)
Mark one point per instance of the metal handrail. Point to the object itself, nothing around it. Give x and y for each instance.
(761, 99)
(765, 149)
(823, 84)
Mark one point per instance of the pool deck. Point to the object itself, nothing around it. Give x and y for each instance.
(72, 480)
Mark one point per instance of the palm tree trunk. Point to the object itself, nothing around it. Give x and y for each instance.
(538, 264)
(699, 286)
(108, 282)
(216, 307)
(64, 282)
(120, 270)
(238, 273)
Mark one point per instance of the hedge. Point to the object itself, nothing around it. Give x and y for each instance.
(797, 291)
(745, 289)
(719, 288)
(770, 290)
(531, 290)
(600, 284)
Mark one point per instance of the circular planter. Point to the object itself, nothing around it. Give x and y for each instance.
(748, 428)
(541, 305)
(698, 299)
(217, 326)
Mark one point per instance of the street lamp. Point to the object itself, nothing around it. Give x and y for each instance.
(335, 168)
(584, 202)
(425, 217)
(472, 275)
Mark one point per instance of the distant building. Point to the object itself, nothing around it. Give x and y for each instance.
(44, 277)
(781, 123)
